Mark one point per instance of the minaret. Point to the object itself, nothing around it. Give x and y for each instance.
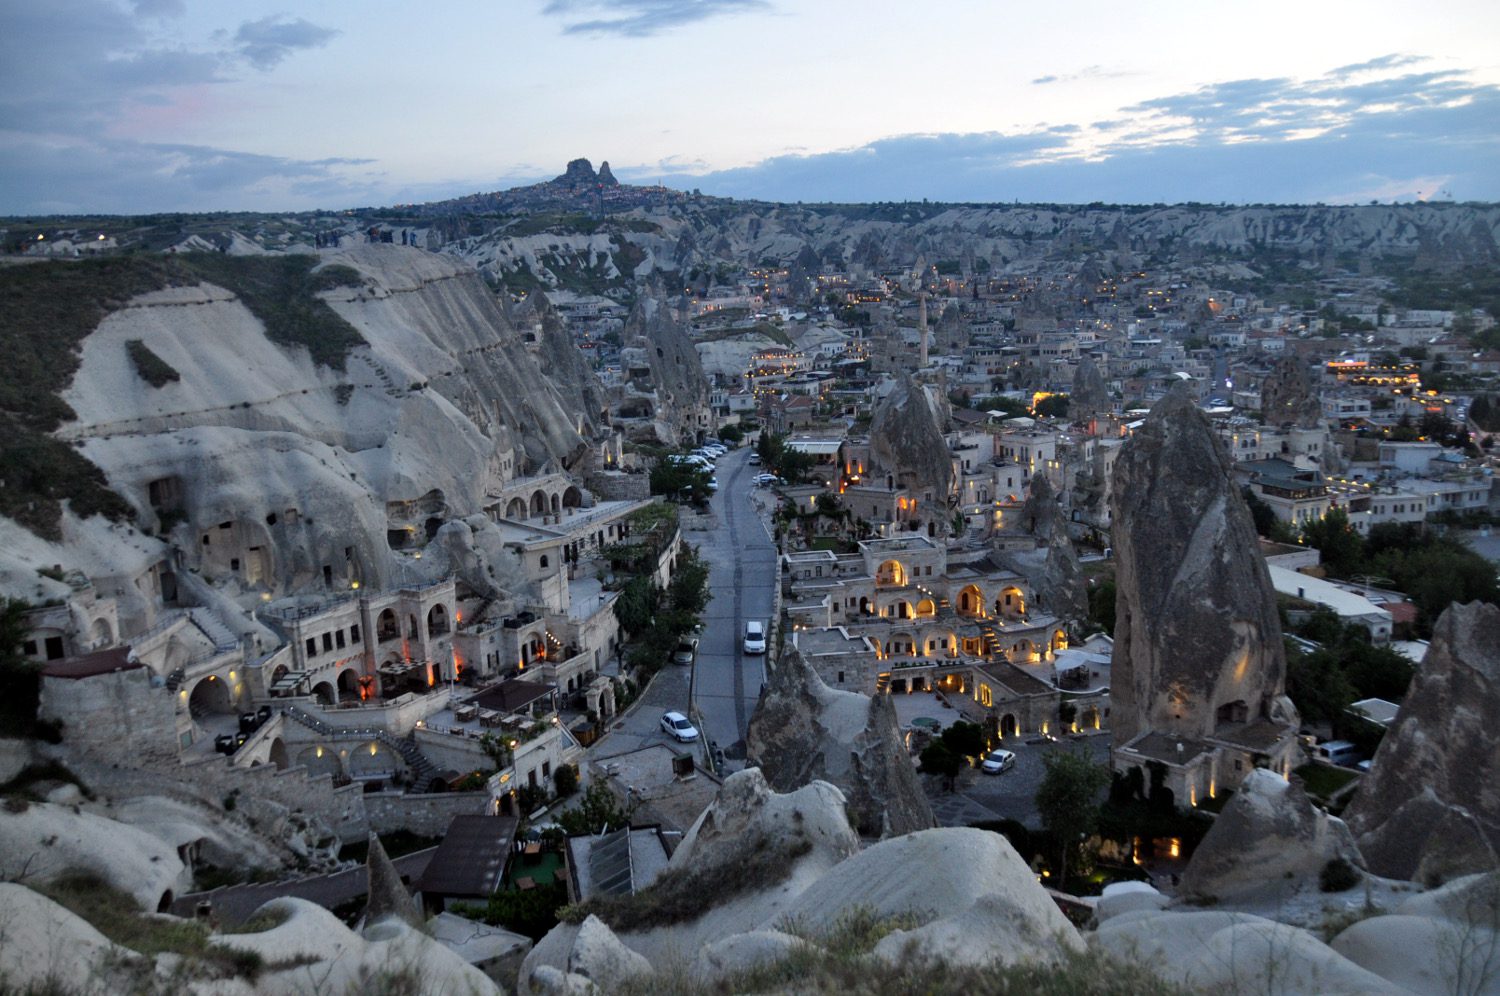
(922, 326)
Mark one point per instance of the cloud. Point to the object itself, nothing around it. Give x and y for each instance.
(1251, 140)
(641, 18)
(268, 41)
(1086, 73)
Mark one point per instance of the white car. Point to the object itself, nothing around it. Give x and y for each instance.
(676, 726)
(997, 761)
(715, 449)
(765, 480)
(755, 637)
(713, 484)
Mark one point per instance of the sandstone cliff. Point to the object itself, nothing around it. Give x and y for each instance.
(1089, 394)
(1430, 806)
(1197, 636)
(278, 469)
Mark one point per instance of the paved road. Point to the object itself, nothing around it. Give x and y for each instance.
(726, 684)
(742, 570)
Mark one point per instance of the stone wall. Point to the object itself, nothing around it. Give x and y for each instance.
(619, 487)
(428, 815)
(110, 713)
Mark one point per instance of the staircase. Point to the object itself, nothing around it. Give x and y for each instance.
(208, 624)
(991, 638)
(882, 684)
(421, 770)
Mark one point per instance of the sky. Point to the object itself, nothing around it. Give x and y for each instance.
(137, 106)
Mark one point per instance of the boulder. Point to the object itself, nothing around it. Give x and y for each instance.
(1212, 951)
(803, 731)
(47, 948)
(1270, 838)
(809, 819)
(960, 884)
(1197, 636)
(1120, 898)
(1430, 807)
(329, 957)
(1425, 954)
(743, 952)
(598, 955)
(43, 842)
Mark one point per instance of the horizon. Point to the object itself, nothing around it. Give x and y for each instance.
(148, 106)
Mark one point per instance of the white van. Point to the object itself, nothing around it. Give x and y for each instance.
(755, 637)
(1340, 752)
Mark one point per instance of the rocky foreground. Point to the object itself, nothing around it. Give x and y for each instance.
(773, 892)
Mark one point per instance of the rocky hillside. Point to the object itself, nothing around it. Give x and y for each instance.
(208, 423)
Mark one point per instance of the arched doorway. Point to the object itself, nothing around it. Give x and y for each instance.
(386, 626)
(320, 761)
(538, 504)
(437, 620)
(373, 759)
(1090, 718)
(970, 601)
(1011, 604)
(1009, 727)
(101, 634)
(1059, 641)
(892, 573)
(572, 497)
(348, 685)
(325, 693)
(516, 509)
(211, 695)
(278, 754)
(926, 608)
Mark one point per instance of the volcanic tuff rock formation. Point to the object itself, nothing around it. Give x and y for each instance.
(1269, 840)
(1052, 568)
(1288, 397)
(1089, 394)
(303, 462)
(655, 339)
(802, 731)
(906, 439)
(1430, 807)
(1196, 628)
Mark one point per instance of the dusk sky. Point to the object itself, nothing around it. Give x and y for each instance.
(161, 105)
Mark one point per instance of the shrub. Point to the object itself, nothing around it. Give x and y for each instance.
(153, 369)
(1338, 876)
(566, 780)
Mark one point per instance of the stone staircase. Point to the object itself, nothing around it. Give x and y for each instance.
(209, 625)
(421, 769)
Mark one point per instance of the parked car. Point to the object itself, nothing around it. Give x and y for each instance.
(676, 726)
(755, 459)
(765, 480)
(713, 484)
(687, 650)
(755, 637)
(997, 761)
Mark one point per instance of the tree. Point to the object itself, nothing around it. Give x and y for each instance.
(937, 758)
(1341, 546)
(20, 677)
(565, 779)
(1055, 406)
(596, 811)
(731, 434)
(964, 739)
(1102, 606)
(1067, 801)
